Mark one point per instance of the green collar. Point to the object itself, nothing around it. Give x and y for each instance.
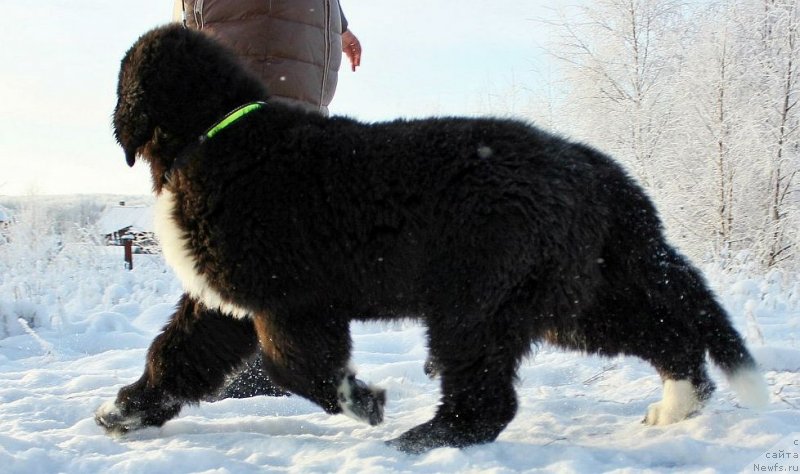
(182, 158)
(232, 117)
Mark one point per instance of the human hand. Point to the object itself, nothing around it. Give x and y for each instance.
(351, 47)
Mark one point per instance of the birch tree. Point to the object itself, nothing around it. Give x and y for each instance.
(616, 54)
(700, 100)
(710, 97)
(777, 88)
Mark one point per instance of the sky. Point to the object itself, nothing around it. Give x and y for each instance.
(60, 61)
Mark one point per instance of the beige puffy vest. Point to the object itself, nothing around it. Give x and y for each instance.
(294, 46)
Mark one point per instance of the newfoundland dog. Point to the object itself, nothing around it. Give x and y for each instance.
(284, 226)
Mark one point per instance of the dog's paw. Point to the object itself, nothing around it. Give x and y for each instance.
(361, 401)
(680, 402)
(659, 414)
(111, 418)
(418, 440)
(129, 412)
(438, 433)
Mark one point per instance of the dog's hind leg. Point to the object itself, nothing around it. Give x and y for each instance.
(700, 324)
(188, 361)
(309, 355)
(672, 319)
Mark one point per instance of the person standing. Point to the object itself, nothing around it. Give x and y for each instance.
(294, 46)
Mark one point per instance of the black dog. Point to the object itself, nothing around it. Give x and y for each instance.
(284, 226)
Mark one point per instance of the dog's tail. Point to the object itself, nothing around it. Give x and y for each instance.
(726, 348)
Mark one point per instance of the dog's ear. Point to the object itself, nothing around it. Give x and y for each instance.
(132, 125)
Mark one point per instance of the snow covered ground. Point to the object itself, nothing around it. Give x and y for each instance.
(87, 324)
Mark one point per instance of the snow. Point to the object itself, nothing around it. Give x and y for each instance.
(86, 324)
(138, 218)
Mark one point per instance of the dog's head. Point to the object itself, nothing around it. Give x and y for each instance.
(173, 84)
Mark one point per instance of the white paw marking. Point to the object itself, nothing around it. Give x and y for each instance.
(175, 247)
(349, 405)
(345, 395)
(110, 413)
(680, 400)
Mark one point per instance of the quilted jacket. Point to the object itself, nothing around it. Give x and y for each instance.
(294, 46)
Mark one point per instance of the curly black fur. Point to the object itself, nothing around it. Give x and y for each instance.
(493, 233)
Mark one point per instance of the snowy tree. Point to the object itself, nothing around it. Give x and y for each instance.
(777, 58)
(700, 101)
(617, 57)
(711, 134)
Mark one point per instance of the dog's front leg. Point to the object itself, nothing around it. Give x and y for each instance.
(188, 361)
(309, 356)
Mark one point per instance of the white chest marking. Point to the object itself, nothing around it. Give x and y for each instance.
(175, 246)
